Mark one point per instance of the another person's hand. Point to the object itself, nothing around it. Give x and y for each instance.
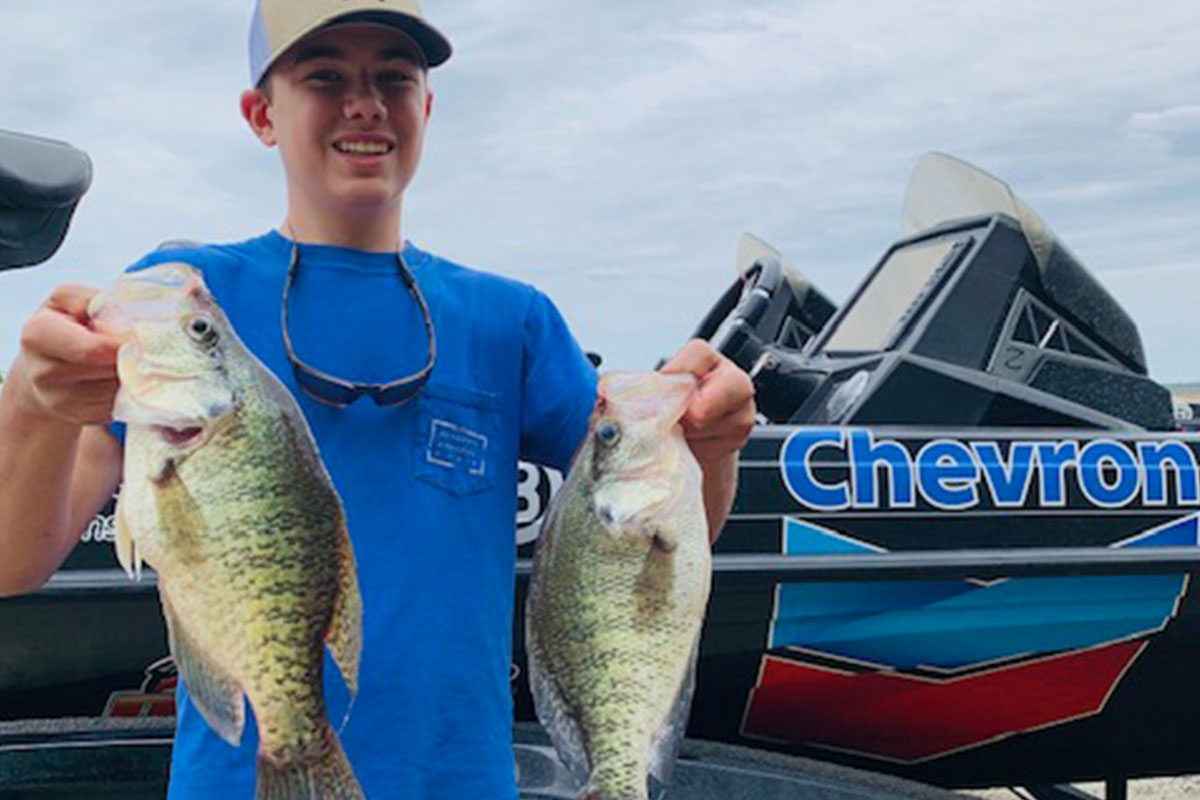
(65, 370)
(721, 414)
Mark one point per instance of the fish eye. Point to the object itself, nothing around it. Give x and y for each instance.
(201, 329)
(608, 433)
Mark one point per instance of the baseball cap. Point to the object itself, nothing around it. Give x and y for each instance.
(279, 24)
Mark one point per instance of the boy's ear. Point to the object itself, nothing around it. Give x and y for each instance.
(256, 111)
(428, 104)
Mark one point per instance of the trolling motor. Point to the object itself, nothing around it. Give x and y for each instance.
(41, 183)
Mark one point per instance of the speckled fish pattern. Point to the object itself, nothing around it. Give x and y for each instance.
(226, 497)
(619, 588)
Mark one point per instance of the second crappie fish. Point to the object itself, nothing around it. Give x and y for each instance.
(225, 495)
(620, 583)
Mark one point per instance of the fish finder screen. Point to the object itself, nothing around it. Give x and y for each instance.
(886, 301)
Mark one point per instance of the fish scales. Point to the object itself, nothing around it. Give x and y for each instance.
(226, 497)
(284, 577)
(615, 606)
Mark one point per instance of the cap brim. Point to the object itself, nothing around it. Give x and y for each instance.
(433, 44)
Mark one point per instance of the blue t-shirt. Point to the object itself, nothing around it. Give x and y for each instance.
(432, 524)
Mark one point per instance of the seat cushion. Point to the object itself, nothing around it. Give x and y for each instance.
(41, 173)
(41, 182)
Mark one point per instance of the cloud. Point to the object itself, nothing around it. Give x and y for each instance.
(1175, 132)
(611, 153)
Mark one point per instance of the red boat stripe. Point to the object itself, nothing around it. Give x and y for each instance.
(906, 718)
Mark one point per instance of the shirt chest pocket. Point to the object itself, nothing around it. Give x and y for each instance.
(456, 445)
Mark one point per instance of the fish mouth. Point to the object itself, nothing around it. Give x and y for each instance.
(180, 436)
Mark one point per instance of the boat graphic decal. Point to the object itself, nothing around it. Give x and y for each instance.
(833, 469)
(949, 664)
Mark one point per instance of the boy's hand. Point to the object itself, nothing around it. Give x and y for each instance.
(721, 414)
(65, 370)
(717, 424)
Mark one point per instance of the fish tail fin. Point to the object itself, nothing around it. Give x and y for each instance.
(593, 792)
(327, 776)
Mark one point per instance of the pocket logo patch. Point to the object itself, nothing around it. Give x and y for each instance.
(452, 445)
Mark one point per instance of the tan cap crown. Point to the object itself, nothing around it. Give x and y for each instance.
(279, 24)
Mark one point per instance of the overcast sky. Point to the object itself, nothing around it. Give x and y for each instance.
(612, 152)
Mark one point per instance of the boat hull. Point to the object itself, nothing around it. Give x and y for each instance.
(1034, 636)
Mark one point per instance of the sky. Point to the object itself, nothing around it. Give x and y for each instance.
(612, 153)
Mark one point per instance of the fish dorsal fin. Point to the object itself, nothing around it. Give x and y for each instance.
(554, 713)
(215, 693)
(126, 547)
(665, 746)
(344, 637)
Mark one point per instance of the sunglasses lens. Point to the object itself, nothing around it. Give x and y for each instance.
(323, 390)
(334, 392)
(395, 394)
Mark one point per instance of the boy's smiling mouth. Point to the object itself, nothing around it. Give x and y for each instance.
(364, 146)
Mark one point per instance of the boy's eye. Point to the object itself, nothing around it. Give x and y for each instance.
(325, 76)
(393, 78)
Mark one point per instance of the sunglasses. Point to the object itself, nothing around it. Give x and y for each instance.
(332, 391)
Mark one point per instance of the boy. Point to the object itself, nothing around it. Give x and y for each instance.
(428, 481)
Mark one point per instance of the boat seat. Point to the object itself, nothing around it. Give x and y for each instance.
(41, 182)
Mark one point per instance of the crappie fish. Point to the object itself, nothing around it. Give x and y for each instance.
(620, 582)
(225, 495)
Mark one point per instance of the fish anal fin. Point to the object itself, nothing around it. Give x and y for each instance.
(215, 693)
(667, 739)
(344, 637)
(556, 714)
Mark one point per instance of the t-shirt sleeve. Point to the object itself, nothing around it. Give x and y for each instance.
(558, 387)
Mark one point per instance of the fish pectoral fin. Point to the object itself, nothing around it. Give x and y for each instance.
(344, 637)
(215, 693)
(665, 539)
(126, 546)
(555, 714)
(664, 747)
(182, 524)
(167, 471)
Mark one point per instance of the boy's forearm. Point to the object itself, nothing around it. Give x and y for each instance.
(719, 488)
(37, 459)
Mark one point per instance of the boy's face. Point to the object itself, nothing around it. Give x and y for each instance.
(347, 108)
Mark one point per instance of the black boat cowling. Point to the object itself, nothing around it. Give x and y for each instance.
(980, 317)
